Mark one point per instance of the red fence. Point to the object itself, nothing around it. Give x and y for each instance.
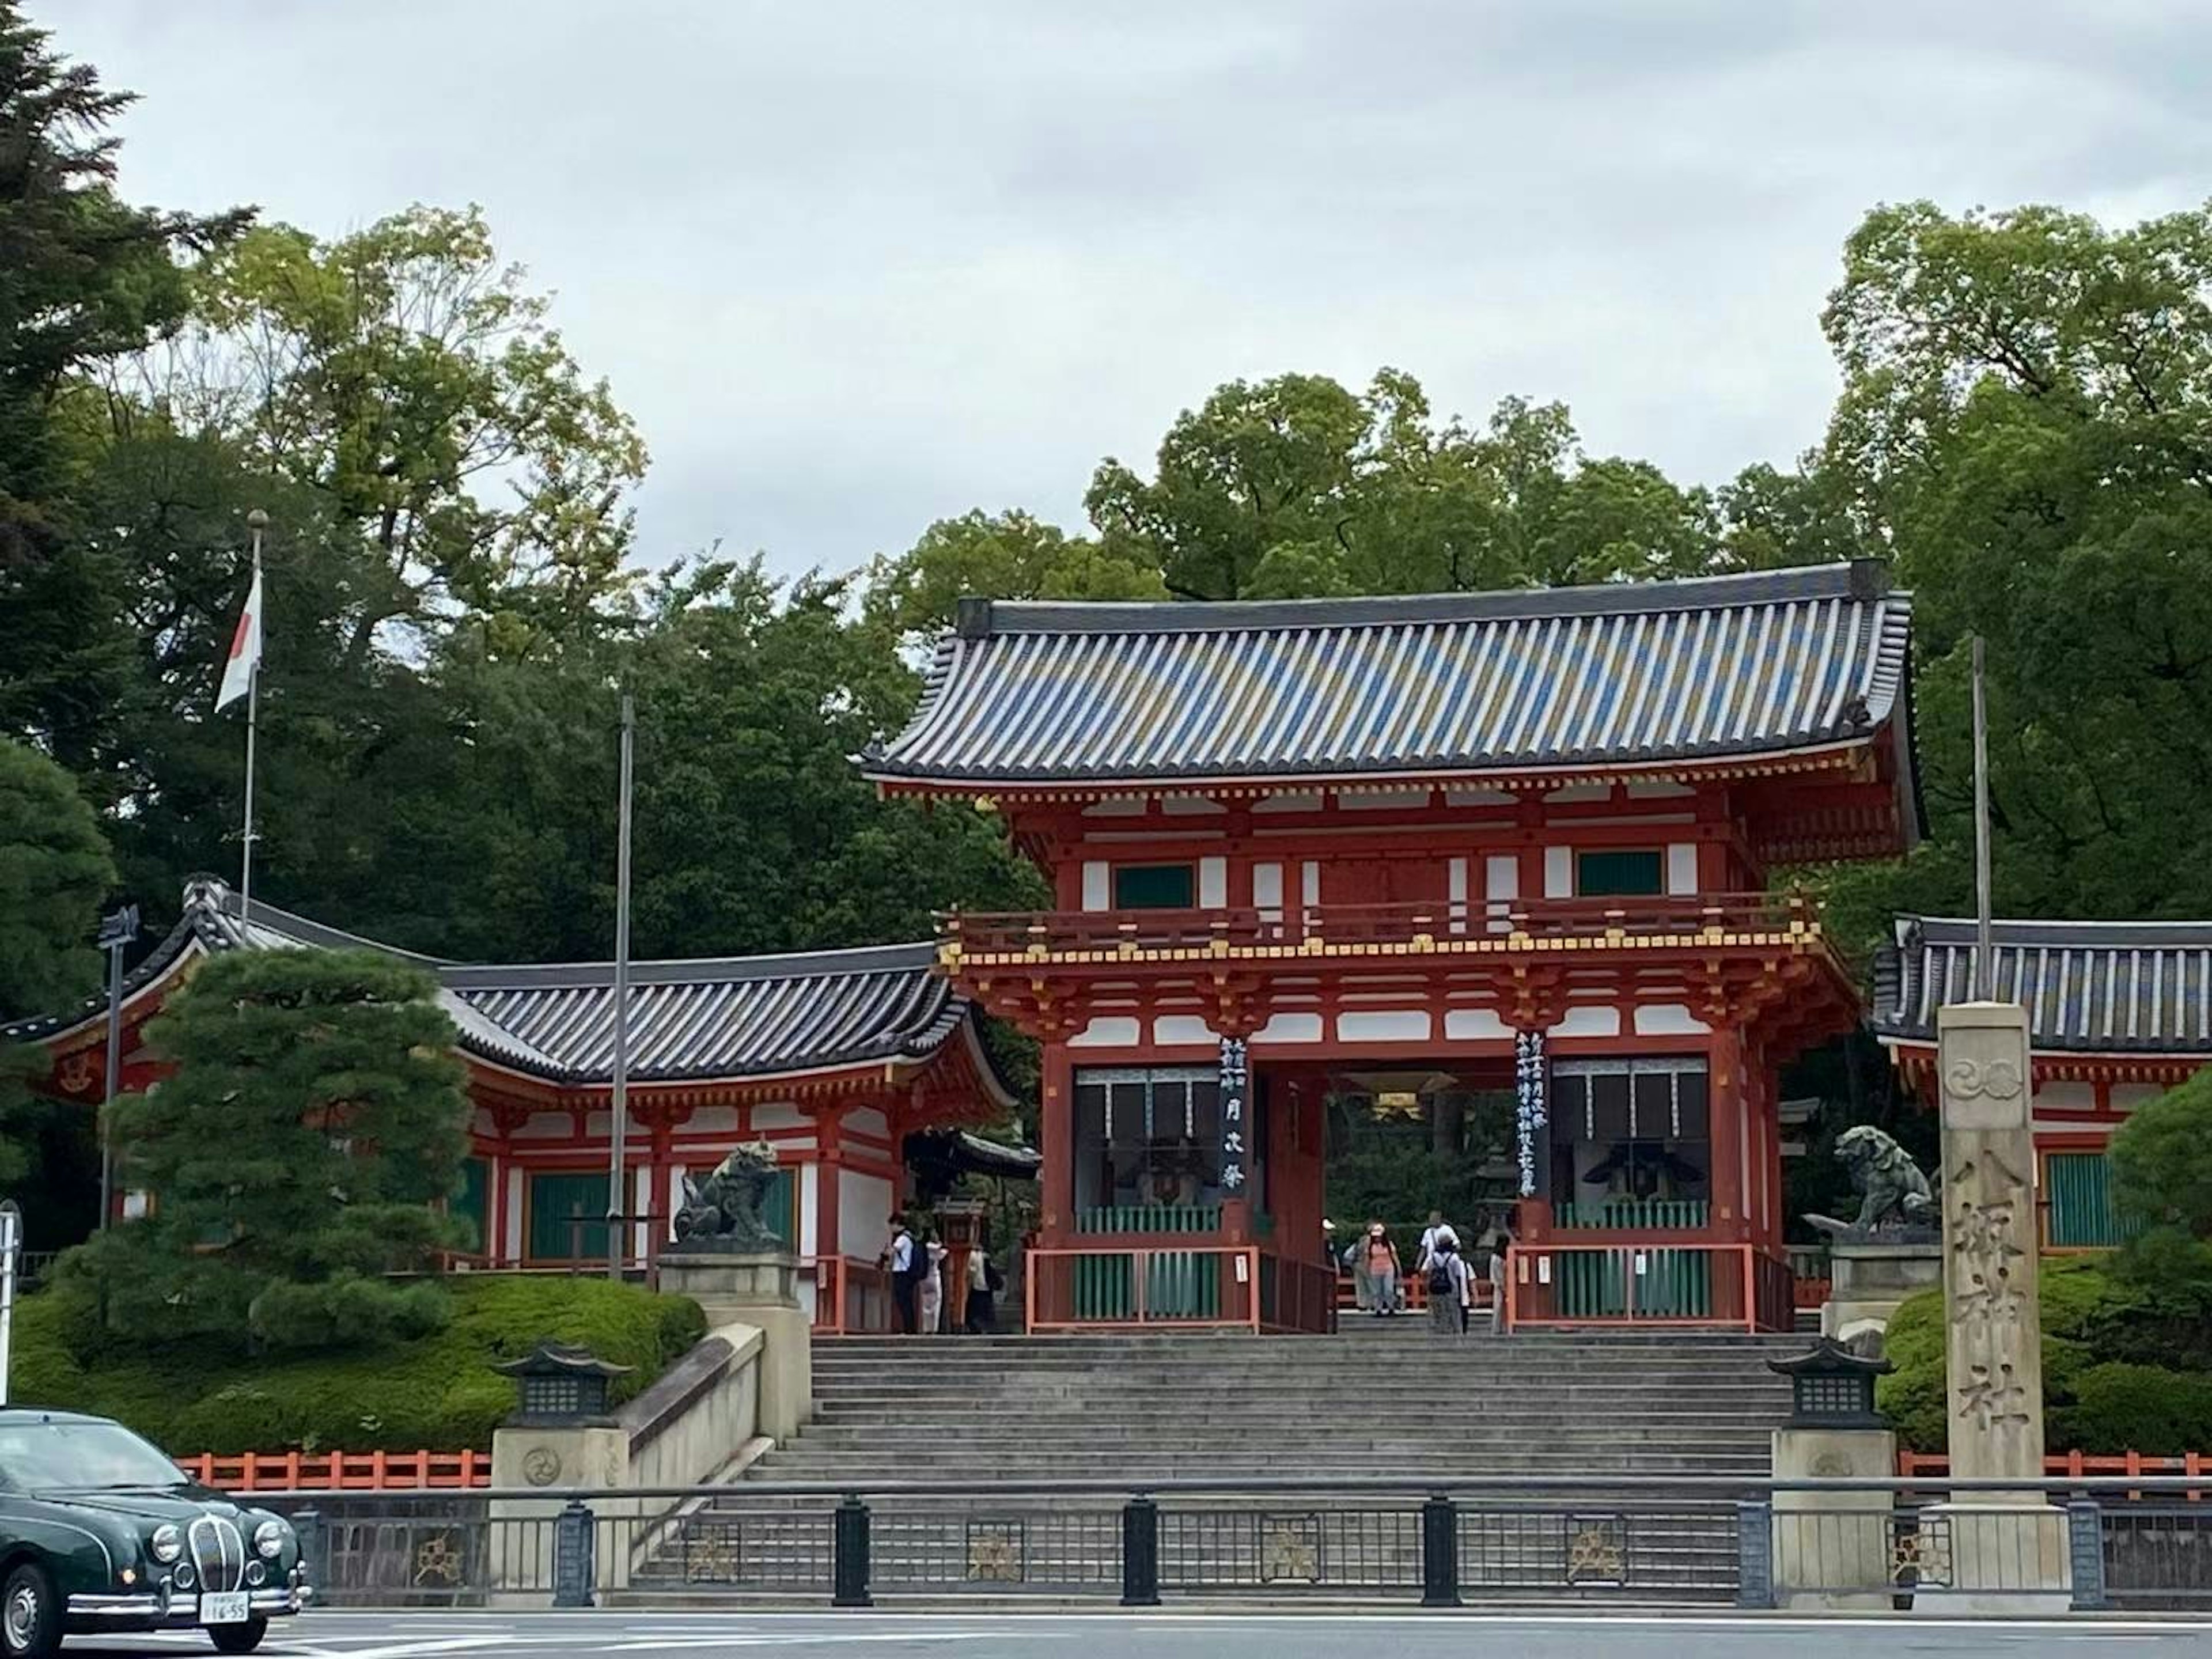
(2073, 1465)
(295, 1471)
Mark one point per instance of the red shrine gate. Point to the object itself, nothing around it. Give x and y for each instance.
(1515, 839)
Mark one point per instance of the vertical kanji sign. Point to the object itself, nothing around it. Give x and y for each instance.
(1236, 1118)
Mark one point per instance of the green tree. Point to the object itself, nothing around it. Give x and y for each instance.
(2162, 1160)
(85, 279)
(314, 1117)
(1297, 487)
(1003, 555)
(2021, 421)
(411, 376)
(54, 872)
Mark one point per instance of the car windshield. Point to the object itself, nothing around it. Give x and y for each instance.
(80, 1457)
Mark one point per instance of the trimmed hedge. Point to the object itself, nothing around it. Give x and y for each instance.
(2118, 1364)
(437, 1393)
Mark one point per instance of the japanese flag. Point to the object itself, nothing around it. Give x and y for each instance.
(245, 650)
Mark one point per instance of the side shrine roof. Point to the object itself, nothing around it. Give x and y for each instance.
(2088, 987)
(690, 1020)
(1627, 674)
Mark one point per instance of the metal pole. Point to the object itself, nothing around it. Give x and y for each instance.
(258, 521)
(116, 932)
(11, 1250)
(1984, 952)
(618, 1109)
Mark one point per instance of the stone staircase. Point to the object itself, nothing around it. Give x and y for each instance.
(1384, 1399)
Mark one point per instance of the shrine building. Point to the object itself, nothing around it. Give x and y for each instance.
(832, 1057)
(1492, 841)
(2118, 1012)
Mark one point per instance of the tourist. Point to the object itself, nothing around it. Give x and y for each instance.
(1498, 1242)
(898, 1259)
(1447, 1285)
(983, 1282)
(1379, 1257)
(933, 1288)
(1437, 1229)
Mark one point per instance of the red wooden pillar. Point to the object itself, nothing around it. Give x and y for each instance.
(1052, 1282)
(1731, 1103)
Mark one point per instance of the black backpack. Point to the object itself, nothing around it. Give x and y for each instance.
(1440, 1274)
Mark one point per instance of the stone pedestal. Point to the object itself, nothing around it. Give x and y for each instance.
(2008, 1549)
(1869, 1281)
(758, 1289)
(1832, 1539)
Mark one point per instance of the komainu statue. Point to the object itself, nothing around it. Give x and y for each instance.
(723, 1212)
(1895, 1197)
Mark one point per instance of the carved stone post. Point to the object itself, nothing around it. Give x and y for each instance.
(2007, 1549)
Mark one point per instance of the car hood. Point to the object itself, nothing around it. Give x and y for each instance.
(150, 1506)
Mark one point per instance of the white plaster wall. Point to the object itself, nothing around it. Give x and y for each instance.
(1456, 870)
(867, 1121)
(1289, 1027)
(1682, 867)
(1477, 798)
(1669, 1019)
(1579, 792)
(1098, 885)
(512, 1247)
(1190, 807)
(864, 1209)
(780, 1116)
(712, 1120)
(1559, 873)
(2067, 1097)
(641, 1203)
(1182, 1028)
(1390, 1025)
(1501, 885)
(1213, 884)
(1294, 801)
(1474, 1024)
(1267, 891)
(1310, 883)
(2126, 1097)
(807, 1221)
(1589, 1022)
(1108, 1031)
(1117, 806)
(1658, 790)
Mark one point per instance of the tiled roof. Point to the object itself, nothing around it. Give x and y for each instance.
(2088, 987)
(728, 1017)
(1488, 683)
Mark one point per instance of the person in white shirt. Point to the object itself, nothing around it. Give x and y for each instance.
(933, 1288)
(1437, 1231)
(898, 1259)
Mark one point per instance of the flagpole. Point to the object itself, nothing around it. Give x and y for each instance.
(619, 1107)
(258, 521)
(1985, 984)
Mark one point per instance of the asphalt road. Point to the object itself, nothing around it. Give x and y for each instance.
(1176, 1636)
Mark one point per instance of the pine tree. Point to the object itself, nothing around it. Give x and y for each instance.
(315, 1118)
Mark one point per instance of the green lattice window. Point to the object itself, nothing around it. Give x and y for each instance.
(467, 1207)
(1155, 887)
(1619, 873)
(556, 1202)
(2078, 1188)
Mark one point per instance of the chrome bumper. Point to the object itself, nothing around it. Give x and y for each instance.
(182, 1609)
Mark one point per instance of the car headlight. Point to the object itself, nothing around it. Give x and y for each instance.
(166, 1543)
(269, 1539)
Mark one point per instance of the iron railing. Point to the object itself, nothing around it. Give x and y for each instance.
(2085, 1546)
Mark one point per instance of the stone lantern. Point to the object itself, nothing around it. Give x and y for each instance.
(562, 1386)
(1833, 1388)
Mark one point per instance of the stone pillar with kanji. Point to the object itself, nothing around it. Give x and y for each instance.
(2007, 1549)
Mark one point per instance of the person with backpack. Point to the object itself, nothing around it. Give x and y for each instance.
(985, 1281)
(899, 1259)
(1448, 1286)
(1378, 1256)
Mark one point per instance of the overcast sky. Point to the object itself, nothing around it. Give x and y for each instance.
(854, 267)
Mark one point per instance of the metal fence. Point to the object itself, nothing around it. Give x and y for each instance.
(2139, 1544)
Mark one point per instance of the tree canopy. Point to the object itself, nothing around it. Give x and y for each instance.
(314, 1115)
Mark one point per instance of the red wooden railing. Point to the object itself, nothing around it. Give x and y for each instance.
(1689, 917)
(2077, 1465)
(851, 1295)
(297, 1471)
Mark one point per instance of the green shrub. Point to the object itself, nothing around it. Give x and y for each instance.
(2118, 1407)
(437, 1391)
(2120, 1348)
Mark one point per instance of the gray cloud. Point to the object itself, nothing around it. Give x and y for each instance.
(857, 266)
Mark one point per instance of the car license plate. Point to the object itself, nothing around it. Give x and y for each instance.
(229, 1607)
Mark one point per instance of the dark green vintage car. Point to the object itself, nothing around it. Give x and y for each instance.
(100, 1533)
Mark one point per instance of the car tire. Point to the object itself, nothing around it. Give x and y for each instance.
(30, 1614)
(238, 1638)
